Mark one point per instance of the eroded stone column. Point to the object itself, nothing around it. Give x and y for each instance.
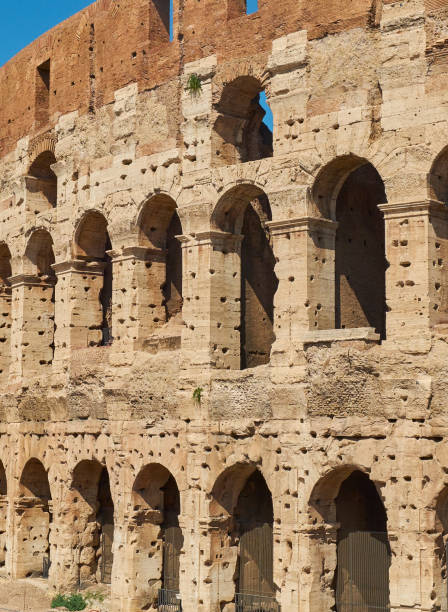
(305, 299)
(78, 307)
(417, 253)
(212, 300)
(32, 346)
(138, 302)
(5, 333)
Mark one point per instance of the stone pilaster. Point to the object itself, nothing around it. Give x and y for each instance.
(212, 300)
(417, 253)
(138, 301)
(78, 308)
(5, 333)
(32, 335)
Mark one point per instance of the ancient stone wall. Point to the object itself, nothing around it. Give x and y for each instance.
(224, 360)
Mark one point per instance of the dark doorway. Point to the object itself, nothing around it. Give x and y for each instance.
(363, 551)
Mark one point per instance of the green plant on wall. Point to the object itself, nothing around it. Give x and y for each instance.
(194, 85)
(197, 394)
(72, 602)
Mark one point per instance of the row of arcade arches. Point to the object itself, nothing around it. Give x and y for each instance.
(241, 533)
(360, 266)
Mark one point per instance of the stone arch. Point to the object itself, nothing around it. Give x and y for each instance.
(92, 521)
(244, 213)
(3, 515)
(41, 183)
(438, 177)
(39, 254)
(239, 134)
(441, 546)
(92, 246)
(242, 515)
(349, 522)
(157, 535)
(349, 191)
(5, 311)
(33, 509)
(158, 227)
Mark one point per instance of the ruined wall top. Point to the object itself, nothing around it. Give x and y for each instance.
(112, 43)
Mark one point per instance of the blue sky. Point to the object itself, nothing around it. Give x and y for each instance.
(22, 22)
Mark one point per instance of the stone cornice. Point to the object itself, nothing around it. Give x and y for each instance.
(414, 209)
(302, 224)
(79, 266)
(30, 280)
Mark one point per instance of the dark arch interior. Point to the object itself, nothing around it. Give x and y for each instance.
(254, 518)
(92, 243)
(40, 253)
(93, 504)
(363, 551)
(239, 132)
(42, 183)
(5, 264)
(155, 489)
(34, 520)
(360, 267)
(159, 225)
(3, 480)
(258, 285)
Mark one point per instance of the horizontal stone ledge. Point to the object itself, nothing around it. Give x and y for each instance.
(367, 334)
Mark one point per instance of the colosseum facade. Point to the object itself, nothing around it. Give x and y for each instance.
(224, 351)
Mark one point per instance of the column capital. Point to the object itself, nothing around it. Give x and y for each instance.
(138, 253)
(211, 237)
(79, 266)
(31, 280)
(397, 210)
(302, 224)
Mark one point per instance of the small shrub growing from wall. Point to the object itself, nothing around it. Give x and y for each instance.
(75, 601)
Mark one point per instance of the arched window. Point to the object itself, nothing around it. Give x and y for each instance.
(243, 513)
(41, 184)
(92, 244)
(244, 211)
(39, 303)
(93, 523)
(349, 191)
(239, 132)
(3, 516)
(161, 14)
(5, 311)
(348, 514)
(159, 224)
(362, 573)
(33, 522)
(157, 535)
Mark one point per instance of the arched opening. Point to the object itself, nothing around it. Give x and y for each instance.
(92, 243)
(239, 132)
(242, 544)
(158, 538)
(3, 516)
(93, 523)
(245, 211)
(159, 224)
(39, 303)
(349, 191)
(363, 555)
(441, 550)
(41, 184)
(347, 509)
(33, 522)
(5, 311)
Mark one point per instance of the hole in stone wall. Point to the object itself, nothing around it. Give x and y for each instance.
(239, 132)
(42, 99)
